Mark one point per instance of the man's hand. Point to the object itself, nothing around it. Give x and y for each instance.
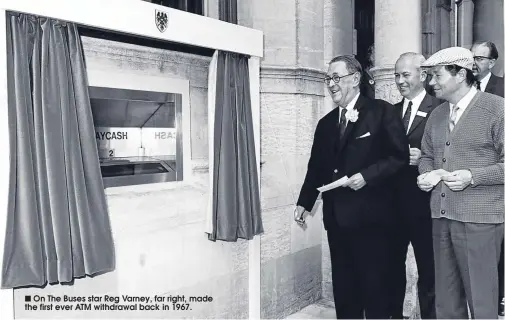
(458, 180)
(355, 182)
(415, 155)
(299, 213)
(424, 185)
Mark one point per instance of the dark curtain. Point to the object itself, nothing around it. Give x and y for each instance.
(236, 209)
(236, 204)
(228, 11)
(58, 226)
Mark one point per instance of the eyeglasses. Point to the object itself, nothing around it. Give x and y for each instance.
(335, 78)
(480, 58)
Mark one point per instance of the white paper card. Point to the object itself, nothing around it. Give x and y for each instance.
(435, 176)
(334, 184)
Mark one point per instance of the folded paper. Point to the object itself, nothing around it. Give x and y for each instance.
(340, 182)
(435, 176)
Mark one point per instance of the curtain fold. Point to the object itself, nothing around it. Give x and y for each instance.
(58, 226)
(236, 209)
(228, 11)
(211, 107)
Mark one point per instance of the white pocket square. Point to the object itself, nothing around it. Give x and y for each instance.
(364, 136)
(422, 114)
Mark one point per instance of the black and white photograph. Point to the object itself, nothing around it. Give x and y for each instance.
(252, 159)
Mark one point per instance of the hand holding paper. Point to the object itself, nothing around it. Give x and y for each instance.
(355, 182)
(434, 177)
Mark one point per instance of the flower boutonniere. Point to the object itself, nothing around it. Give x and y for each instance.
(352, 115)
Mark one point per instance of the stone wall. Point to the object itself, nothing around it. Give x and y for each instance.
(292, 102)
(158, 229)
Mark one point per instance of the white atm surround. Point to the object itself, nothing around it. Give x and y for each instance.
(108, 79)
(137, 18)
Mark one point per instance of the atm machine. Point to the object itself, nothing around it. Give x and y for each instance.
(138, 135)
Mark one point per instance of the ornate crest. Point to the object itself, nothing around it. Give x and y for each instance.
(161, 19)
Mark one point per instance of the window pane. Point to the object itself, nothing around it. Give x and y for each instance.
(193, 6)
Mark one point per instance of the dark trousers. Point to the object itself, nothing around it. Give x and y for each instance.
(466, 259)
(359, 262)
(418, 232)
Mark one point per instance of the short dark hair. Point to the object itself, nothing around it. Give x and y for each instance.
(454, 69)
(493, 52)
(351, 64)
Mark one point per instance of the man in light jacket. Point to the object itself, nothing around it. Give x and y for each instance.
(462, 163)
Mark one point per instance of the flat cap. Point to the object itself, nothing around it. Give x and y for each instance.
(451, 56)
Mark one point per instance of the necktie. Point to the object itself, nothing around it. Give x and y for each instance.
(342, 122)
(478, 85)
(406, 117)
(452, 120)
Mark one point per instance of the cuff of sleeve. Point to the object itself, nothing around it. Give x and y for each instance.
(423, 170)
(475, 177)
(365, 176)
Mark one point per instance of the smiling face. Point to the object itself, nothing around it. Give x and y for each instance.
(444, 84)
(408, 77)
(344, 91)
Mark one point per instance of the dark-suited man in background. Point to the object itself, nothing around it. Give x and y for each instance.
(369, 149)
(485, 55)
(413, 215)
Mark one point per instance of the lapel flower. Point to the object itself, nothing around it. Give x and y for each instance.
(352, 115)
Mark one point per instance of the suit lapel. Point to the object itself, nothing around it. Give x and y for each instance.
(399, 108)
(425, 107)
(351, 125)
(491, 84)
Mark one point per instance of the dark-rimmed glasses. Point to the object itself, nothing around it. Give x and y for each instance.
(335, 78)
(480, 58)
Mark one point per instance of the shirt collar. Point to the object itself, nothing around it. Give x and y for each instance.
(417, 99)
(465, 101)
(485, 81)
(352, 103)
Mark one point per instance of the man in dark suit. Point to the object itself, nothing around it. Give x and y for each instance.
(363, 140)
(485, 55)
(413, 215)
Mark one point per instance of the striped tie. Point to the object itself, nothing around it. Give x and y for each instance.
(452, 120)
(406, 117)
(342, 122)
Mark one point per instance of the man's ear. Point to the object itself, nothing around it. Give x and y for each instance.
(462, 75)
(492, 62)
(423, 75)
(356, 79)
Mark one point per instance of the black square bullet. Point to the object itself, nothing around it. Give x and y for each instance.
(28, 298)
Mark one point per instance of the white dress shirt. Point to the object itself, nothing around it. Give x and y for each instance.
(484, 82)
(349, 107)
(416, 102)
(463, 103)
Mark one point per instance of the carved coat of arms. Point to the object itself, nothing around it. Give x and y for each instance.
(161, 19)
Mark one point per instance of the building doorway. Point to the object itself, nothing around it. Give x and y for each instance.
(364, 25)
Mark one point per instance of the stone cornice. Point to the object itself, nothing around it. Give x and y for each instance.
(291, 80)
(280, 72)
